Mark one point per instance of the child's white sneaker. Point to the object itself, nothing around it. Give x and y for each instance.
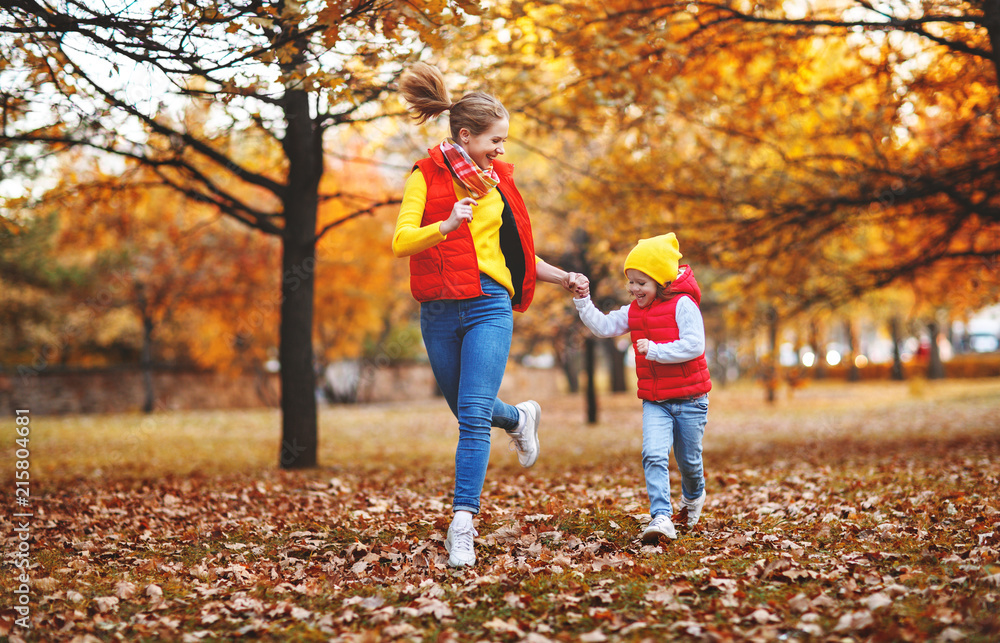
(693, 508)
(524, 438)
(458, 544)
(659, 527)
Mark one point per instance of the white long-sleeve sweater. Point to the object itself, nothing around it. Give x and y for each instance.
(690, 325)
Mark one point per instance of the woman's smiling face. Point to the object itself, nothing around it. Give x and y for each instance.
(484, 147)
(641, 286)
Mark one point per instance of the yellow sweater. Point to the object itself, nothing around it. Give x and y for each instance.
(410, 238)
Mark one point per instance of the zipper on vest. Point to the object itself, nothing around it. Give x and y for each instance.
(649, 363)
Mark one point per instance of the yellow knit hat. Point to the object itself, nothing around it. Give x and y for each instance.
(657, 257)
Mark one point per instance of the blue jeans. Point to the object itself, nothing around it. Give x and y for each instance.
(680, 425)
(468, 342)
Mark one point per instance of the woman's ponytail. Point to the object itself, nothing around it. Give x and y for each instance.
(423, 87)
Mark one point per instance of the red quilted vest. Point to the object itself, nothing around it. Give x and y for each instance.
(450, 269)
(658, 323)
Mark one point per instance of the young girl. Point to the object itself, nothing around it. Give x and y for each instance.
(668, 335)
(466, 230)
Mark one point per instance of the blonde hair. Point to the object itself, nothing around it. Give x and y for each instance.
(423, 88)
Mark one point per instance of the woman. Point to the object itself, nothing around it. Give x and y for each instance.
(465, 228)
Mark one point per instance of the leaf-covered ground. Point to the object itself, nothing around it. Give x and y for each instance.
(865, 512)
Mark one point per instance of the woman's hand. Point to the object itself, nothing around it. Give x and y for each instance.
(642, 346)
(574, 282)
(461, 213)
(578, 284)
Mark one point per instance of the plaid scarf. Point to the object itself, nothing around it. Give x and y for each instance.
(478, 182)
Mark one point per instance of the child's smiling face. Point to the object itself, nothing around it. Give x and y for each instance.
(641, 286)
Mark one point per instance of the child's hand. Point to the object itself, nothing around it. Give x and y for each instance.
(642, 346)
(577, 284)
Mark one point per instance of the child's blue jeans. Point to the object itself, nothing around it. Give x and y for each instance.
(679, 425)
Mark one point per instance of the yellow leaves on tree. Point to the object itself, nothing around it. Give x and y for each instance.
(361, 290)
(210, 287)
(778, 153)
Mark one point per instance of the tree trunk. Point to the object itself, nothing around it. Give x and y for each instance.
(568, 357)
(935, 367)
(589, 358)
(897, 358)
(853, 374)
(572, 373)
(304, 150)
(771, 368)
(146, 358)
(149, 403)
(991, 20)
(820, 371)
(616, 365)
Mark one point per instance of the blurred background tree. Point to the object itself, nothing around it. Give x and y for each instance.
(269, 79)
(808, 157)
(831, 171)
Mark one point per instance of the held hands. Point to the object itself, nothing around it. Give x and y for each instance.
(642, 346)
(576, 283)
(461, 213)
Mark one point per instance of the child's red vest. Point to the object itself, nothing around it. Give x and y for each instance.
(658, 323)
(450, 269)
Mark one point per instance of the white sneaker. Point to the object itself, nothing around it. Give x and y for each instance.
(524, 438)
(458, 544)
(659, 527)
(693, 508)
